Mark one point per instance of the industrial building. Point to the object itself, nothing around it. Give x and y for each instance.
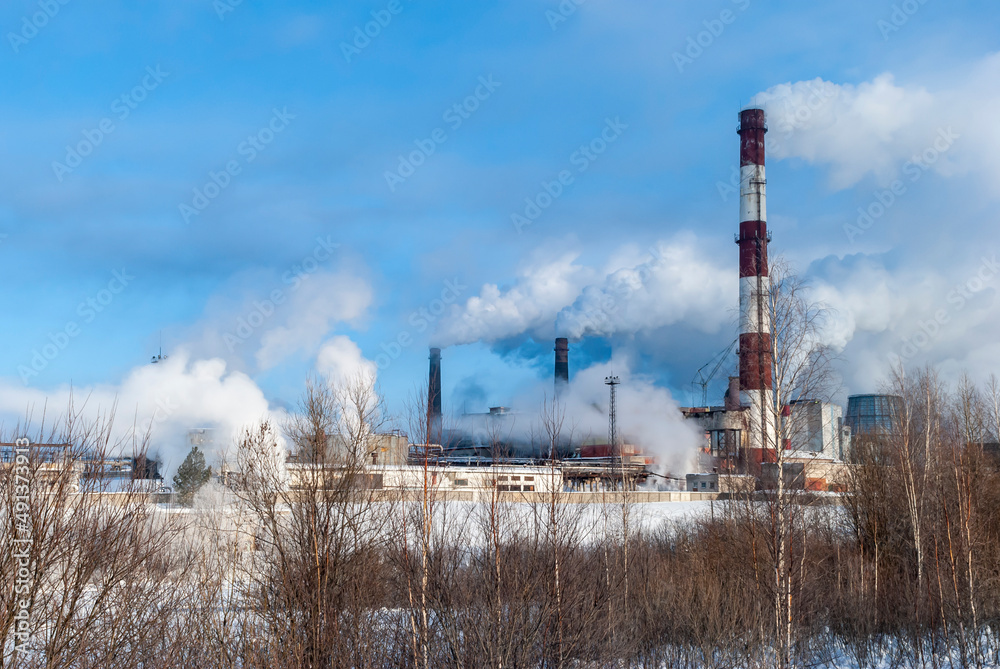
(59, 464)
(487, 441)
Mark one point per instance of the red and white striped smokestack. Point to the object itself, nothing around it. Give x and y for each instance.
(756, 382)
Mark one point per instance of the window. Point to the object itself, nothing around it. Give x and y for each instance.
(461, 482)
(501, 478)
(529, 488)
(529, 478)
(703, 484)
(515, 478)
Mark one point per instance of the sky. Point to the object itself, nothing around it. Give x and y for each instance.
(274, 190)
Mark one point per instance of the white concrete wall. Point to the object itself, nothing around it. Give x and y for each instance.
(521, 479)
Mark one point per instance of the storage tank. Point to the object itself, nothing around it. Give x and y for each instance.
(872, 414)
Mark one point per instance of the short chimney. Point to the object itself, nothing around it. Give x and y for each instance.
(562, 364)
(732, 399)
(434, 398)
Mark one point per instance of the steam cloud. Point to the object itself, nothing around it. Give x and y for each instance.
(171, 397)
(671, 282)
(340, 360)
(647, 416)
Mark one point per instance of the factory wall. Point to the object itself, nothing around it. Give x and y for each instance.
(818, 427)
(504, 478)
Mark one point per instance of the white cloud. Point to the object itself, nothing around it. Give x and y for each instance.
(875, 127)
(863, 297)
(942, 316)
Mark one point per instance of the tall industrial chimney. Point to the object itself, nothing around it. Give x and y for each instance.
(434, 398)
(562, 364)
(756, 384)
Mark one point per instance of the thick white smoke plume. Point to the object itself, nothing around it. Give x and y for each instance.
(340, 361)
(257, 321)
(677, 283)
(260, 319)
(170, 397)
(540, 291)
(648, 417)
(180, 394)
(313, 309)
(670, 282)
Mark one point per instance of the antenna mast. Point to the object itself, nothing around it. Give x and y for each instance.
(613, 382)
(159, 357)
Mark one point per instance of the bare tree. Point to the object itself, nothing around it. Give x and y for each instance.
(799, 369)
(321, 524)
(90, 568)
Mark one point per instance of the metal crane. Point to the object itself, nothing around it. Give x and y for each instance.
(701, 379)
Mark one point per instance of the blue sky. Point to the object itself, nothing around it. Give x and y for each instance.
(330, 126)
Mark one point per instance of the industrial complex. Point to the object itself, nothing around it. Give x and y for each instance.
(741, 436)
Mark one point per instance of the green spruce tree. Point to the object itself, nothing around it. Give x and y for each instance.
(191, 476)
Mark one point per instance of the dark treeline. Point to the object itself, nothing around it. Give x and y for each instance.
(903, 573)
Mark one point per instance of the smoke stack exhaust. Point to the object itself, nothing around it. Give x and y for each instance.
(756, 383)
(562, 364)
(732, 397)
(434, 398)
